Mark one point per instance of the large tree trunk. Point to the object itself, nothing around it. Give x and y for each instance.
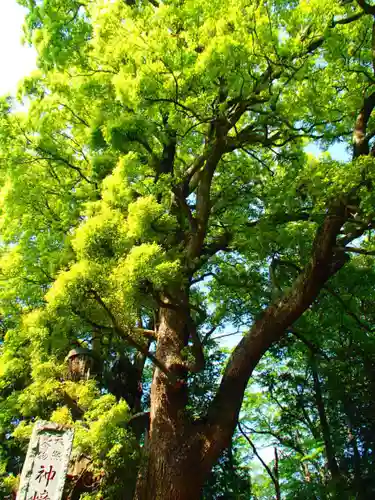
(172, 468)
(171, 472)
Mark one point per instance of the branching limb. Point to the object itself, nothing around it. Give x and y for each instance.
(360, 140)
(360, 251)
(58, 158)
(269, 471)
(332, 292)
(367, 8)
(227, 335)
(287, 442)
(128, 338)
(347, 20)
(346, 308)
(77, 117)
(197, 349)
(76, 411)
(147, 333)
(313, 348)
(203, 204)
(208, 334)
(188, 111)
(181, 200)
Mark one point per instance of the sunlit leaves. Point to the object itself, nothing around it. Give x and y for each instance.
(101, 189)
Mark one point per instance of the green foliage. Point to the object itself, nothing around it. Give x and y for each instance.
(281, 407)
(159, 162)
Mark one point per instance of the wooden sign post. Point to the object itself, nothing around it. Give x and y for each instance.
(47, 460)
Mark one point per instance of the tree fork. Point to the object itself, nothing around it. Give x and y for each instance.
(181, 455)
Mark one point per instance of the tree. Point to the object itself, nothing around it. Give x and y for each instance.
(311, 396)
(159, 177)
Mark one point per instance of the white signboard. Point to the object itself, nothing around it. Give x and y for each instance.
(46, 464)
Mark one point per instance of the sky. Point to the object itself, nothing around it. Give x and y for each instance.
(16, 60)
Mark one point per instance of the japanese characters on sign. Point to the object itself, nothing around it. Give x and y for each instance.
(43, 474)
(41, 496)
(46, 464)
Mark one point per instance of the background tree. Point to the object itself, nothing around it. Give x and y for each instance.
(312, 396)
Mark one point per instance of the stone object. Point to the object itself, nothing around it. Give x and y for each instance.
(81, 363)
(47, 460)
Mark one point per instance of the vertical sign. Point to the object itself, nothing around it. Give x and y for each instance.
(47, 460)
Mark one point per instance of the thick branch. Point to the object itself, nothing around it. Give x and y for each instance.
(360, 251)
(181, 200)
(126, 336)
(270, 327)
(197, 349)
(360, 141)
(203, 205)
(139, 423)
(276, 474)
(147, 333)
(201, 172)
(325, 261)
(367, 8)
(347, 20)
(76, 411)
(332, 292)
(220, 244)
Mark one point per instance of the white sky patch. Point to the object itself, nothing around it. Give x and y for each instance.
(338, 151)
(16, 60)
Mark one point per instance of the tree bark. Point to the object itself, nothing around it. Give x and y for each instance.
(172, 468)
(269, 328)
(180, 453)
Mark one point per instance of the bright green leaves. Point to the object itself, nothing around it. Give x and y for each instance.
(146, 261)
(101, 435)
(104, 438)
(147, 130)
(71, 286)
(102, 236)
(147, 220)
(138, 277)
(118, 258)
(59, 33)
(42, 392)
(127, 179)
(121, 282)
